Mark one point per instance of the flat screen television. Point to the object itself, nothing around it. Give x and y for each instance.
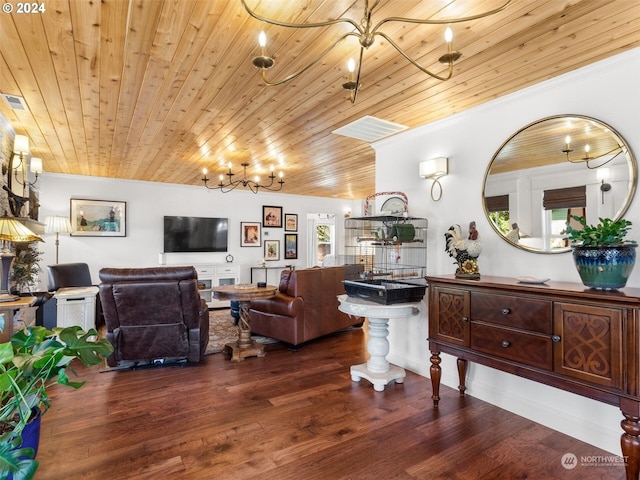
(195, 234)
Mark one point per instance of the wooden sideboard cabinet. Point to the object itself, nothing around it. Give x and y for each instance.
(565, 335)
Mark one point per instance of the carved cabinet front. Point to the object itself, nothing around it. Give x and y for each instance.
(581, 340)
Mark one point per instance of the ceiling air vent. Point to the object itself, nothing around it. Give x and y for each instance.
(369, 129)
(15, 102)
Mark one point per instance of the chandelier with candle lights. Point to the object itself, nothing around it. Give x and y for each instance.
(366, 32)
(253, 184)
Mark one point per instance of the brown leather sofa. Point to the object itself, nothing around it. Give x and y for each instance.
(153, 315)
(305, 306)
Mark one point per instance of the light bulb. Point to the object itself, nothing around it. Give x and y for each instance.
(262, 39)
(351, 65)
(448, 35)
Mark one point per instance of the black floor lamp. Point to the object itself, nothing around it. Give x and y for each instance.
(57, 225)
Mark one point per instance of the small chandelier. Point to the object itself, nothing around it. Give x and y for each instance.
(600, 160)
(252, 184)
(366, 33)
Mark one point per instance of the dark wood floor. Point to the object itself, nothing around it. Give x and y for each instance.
(291, 415)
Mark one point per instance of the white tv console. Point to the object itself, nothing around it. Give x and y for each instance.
(214, 275)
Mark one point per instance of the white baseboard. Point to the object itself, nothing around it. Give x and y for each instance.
(592, 422)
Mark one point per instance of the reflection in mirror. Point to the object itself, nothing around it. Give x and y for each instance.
(554, 168)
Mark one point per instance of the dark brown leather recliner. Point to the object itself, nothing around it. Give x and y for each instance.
(154, 315)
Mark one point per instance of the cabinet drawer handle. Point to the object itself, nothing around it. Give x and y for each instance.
(555, 338)
(505, 344)
(506, 311)
(465, 319)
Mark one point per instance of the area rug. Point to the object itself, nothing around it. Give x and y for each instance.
(222, 330)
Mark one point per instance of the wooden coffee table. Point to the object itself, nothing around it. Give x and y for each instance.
(243, 294)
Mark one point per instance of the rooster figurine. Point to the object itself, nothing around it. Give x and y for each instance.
(465, 250)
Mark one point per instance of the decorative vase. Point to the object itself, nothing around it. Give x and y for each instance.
(605, 267)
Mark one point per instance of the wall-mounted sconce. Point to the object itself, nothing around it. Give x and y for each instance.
(20, 150)
(435, 169)
(602, 174)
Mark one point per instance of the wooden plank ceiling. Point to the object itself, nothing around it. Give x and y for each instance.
(156, 90)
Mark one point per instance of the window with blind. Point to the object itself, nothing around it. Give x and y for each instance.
(565, 198)
(498, 203)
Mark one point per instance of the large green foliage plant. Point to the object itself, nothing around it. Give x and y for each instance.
(34, 360)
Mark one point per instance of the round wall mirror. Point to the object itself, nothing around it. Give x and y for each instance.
(552, 169)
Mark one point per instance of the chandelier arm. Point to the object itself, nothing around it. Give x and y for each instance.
(587, 160)
(233, 186)
(300, 72)
(444, 21)
(414, 63)
(602, 164)
(354, 92)
(300, 25)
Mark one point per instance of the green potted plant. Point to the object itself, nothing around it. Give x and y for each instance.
(33, 361)
(25, 268)
(603, 257)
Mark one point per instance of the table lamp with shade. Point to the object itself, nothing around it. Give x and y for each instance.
(11, 231)
(57, 225)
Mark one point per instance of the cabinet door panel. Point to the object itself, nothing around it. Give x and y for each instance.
(590, 346)
(450, 315)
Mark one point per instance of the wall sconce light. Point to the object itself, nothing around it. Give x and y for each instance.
(36, 166)
(435, 169)
(602, 174)
(20, 150)
(21, 145)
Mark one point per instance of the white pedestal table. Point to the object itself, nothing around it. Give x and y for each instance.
(377, 369)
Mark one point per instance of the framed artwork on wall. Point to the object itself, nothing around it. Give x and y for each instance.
(250, 234)
(271, 217)
(271, 250)
(291, 246)
(98, 218)
(290, 222)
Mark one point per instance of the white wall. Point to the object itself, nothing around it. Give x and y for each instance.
(607, 91)
(148, 202)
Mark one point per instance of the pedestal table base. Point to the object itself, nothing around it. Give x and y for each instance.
(377, 369)
(245, 347)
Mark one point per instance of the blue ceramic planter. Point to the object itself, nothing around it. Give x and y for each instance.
(31, 434)
(606, 268)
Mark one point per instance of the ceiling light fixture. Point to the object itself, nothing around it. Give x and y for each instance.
(252, 184)
(366, 33)
(602, 158)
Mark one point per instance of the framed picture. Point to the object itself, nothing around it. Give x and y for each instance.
(250, 235)
(290, 246)
(271, 217)
(272, 250)
(98, 218)
(290, 222)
